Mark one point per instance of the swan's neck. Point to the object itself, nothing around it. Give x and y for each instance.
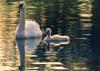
(22, 16)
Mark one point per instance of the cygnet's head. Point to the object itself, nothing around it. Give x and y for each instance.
(48, 31)
(21, 5)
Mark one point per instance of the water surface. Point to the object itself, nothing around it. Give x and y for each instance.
(63, 17)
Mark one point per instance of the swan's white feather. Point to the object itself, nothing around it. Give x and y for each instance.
(31, 29)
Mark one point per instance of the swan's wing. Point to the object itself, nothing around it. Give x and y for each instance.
(32, 29)
(56, 36)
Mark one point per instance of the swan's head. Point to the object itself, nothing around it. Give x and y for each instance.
(48, 31)
(21, 5)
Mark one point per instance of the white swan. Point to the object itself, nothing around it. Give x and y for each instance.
(25, 28)
(56, 39)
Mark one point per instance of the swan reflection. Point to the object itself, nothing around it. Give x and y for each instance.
(26, 46)
(50, 44)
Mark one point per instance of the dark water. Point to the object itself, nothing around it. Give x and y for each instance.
(72, 18)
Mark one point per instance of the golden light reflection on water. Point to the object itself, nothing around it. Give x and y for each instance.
(8, 20)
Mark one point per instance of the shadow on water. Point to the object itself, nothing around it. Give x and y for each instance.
(95, 38)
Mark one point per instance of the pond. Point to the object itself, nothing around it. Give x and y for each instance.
(65, 18)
